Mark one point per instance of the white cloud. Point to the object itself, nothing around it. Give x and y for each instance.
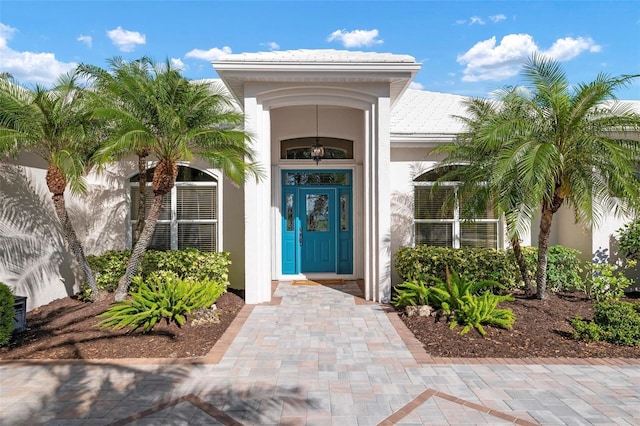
(178, 64)
(568, 48)
(476, 20)
(208, 55)
(6, 33)
(126, 40)
(356, 38)
(272, 45)
(461, 21)
(488, 60)
(30, 67)
(88, 40)
(497, 18)
(416, 86)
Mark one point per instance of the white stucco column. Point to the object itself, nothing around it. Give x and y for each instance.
(384, 199)
(377, 199)
(257, 209)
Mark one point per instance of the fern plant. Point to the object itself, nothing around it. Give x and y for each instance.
(474, 311)
(162, 295)
(411, 293)
(459, 299)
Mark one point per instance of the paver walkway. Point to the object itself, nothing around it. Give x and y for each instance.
(319, 357)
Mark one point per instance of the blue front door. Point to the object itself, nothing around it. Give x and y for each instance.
(316, 222)
(318, 230)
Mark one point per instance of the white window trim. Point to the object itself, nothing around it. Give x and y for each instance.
(174, 222)
(455, 221)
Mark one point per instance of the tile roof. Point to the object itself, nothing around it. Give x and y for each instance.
(421, 112)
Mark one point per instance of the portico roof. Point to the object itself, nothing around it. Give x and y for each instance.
(317, 66)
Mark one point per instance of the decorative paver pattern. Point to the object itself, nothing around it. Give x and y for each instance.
(318, 356)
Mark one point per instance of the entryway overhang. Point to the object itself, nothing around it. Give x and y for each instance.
(360, 81)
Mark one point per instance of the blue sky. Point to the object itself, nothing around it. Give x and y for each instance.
(466, 47)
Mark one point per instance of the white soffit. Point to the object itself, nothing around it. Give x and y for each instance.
(317, 66)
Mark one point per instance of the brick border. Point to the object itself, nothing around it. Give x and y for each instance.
(212, 411)
(422, 357)
(432, 393)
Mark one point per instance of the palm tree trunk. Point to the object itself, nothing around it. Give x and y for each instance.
(522, 265)
(74, 244)
(140, 248)
(543, 249)
(142, 199)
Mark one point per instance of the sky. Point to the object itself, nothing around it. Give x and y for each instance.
(469, 48)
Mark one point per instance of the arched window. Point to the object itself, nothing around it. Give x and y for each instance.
(300, 148)
(189, 214)
(439, 222)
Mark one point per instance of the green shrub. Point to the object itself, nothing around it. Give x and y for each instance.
(7, 313)
(459, 299)
(110, 266)
(605, 281)
(476, 264)
(188, 263)
(162, 295)
(614, 321)
(629, 239)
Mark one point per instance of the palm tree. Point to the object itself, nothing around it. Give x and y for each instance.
(54, 124)
(567, 146)
(155, 109)
(484, 181)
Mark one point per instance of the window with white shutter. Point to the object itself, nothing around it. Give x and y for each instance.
(438, 221)
(189, 215)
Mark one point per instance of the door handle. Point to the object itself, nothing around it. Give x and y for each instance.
(300, 236)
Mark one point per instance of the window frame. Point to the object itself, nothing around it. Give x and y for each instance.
(173, 222)
(455, 221)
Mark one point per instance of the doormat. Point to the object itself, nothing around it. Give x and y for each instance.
(318, 282)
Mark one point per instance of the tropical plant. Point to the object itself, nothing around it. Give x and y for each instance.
(606, 281)
(56, 125)
(411, 293)
(483, 181)
(152, 106)
(614, 321)
(564, 146)
(459, 299)
(162, 295)
(629, 239)
(7, 313)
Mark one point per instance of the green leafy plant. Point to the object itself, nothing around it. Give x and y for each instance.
(474, 311)
(162, 295)
(411, 293)
(110, 266)
(459, 299)
(563, 272)
(188, 263)
(107, 269)
(7, 313)
(629, 239)
(614, 321)
(606, 281)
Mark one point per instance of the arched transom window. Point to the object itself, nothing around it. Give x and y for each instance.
(189, 215)
(300, 148)
(440, 222)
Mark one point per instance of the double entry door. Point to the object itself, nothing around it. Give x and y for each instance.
(316, 224)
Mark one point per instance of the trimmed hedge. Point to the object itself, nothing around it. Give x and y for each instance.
(110, 266)
(7, 313)
(563, 270)
(614, 321)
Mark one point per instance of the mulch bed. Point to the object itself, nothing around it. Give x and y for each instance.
(541, 329)
(67, 329)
